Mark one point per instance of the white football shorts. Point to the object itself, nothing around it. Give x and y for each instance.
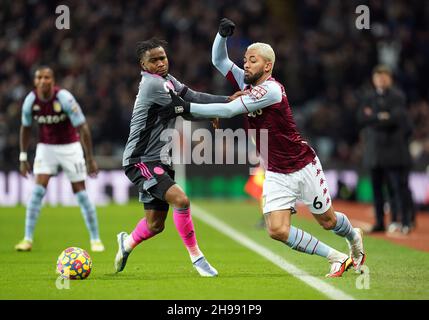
(281, 191)
(69, 157)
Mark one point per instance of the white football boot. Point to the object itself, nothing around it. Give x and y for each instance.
(340, 263)
(204, 268)
(97, 246)
(122, 255)
(24, 245)
(356, 250)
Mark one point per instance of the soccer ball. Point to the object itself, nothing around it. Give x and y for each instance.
(74, 263)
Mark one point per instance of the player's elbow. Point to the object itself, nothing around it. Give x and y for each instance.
(217, 62)
(220, 62)
(82, 126)
(230, 112)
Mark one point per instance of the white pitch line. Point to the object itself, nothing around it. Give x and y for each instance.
(279, 261)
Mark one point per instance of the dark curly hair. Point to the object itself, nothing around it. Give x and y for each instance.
(143, 46)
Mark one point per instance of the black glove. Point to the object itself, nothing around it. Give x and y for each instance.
(177, 107)
(226, 27)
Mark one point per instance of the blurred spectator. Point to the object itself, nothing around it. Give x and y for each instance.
(386, 133)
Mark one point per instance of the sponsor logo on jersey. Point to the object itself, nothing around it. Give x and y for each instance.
(179, 109)
(36, 107)
(50, 119)
(57, 106)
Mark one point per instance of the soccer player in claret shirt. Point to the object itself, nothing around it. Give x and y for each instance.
(293, 170)
(146, 164)
(62, 133)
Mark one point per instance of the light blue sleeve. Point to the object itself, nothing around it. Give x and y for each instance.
(258, 97)
(222, 62)
(26, 116)
(71, 107)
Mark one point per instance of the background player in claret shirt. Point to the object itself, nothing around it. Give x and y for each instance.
(62, 129)
(293, 171)
(148, 167)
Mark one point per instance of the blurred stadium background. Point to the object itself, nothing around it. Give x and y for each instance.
(323, 60)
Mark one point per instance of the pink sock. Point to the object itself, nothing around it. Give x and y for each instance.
(183, 221)
(140, 233)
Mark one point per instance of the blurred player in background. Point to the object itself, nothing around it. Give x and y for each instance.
(293, 168)
(62, 133)
(148, 167)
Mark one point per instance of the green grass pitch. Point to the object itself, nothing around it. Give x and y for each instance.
(161, 269)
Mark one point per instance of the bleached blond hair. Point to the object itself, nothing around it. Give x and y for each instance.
(265, 50)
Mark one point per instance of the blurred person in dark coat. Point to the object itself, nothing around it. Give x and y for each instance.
(386, 132)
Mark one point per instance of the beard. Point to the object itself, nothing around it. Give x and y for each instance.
(252, 79)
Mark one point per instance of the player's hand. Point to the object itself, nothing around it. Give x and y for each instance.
(215, 123)
(236, 95)
(92, 168)
(177, 107)
(226, 27)
(24, 168)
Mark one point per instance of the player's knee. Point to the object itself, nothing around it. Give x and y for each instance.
(156, 226)
(280, 233)
(328, 224)
(182, 201)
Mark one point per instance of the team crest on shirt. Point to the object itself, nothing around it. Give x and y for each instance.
(57, 106)
(75, 108)
(36, 107)
(257, 93)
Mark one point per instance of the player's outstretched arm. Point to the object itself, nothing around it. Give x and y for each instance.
(244, 104)
(86, 140)
(258, 98)
(195, 96)
(24, 141)
(201, 97)
(220, 57)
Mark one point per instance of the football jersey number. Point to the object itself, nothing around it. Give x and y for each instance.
(254, 114)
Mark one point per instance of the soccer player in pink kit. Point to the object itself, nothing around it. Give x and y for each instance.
(147, 163)
(293, 170)
(62, 133)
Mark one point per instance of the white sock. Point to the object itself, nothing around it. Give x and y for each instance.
(129, 243)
